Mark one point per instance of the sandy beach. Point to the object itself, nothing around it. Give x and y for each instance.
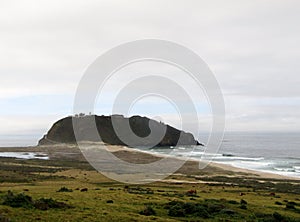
(131, 155)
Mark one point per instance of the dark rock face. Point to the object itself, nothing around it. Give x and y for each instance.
(63, 132)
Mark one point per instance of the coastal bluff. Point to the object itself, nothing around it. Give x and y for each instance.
(63, 132)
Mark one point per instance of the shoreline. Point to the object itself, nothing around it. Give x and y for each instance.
(224, 166)
(69, 151)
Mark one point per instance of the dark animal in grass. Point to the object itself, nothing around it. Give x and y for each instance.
(84, 190)
(191, 193)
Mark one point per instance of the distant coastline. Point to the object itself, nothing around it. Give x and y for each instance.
(65, 151)
(276, 153)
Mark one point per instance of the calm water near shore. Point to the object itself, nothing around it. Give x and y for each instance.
(269, 152)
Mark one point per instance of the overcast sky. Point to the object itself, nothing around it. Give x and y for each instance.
(252, 47)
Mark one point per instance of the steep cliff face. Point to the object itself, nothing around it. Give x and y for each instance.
(62, 131)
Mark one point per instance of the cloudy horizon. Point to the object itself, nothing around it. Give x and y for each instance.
(252, 47)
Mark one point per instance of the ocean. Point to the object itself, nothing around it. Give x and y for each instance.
(277, 153)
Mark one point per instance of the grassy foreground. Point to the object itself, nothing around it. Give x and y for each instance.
(82, 194)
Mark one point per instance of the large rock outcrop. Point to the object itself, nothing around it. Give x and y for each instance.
(63, 132)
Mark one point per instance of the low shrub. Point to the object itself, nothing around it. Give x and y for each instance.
(275, 217)
(64, 189)
(243, 207)
(45, 204)
(177, 211)
(22, 200)
(278, 203)
(243, 202)
(215, 207)
(290, 205)
(227, 211)
(19, 200)
(181, 209)
(278, 217)
(148, 211)
(232, 202)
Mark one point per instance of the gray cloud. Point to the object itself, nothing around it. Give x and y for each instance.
(252, 47)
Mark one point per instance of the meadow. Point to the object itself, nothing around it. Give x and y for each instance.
(69, 189)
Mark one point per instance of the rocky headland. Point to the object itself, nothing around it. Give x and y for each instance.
(63, 131)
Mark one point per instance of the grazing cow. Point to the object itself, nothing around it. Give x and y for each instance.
(84, 190)
(126, 188)
(191, 192)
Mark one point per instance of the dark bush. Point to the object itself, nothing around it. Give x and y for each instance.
(233, 202)
(278, 217)
(181, 209)
(243, 202)
(294, 203)
(148, 211)
(278, 203)
(22, 200)
(275, 217)
(290, 205)
(110, 201)
(172, 203)
(176, 211)
(204, 209)
(243, 207)
(64, 189)
(189, 208)
(201, 211)
(139, 190)
(149, 191)
(215, 207)
(45, 204)
(227, 211)
(19, 200)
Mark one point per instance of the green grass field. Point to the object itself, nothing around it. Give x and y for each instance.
(216, 198)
